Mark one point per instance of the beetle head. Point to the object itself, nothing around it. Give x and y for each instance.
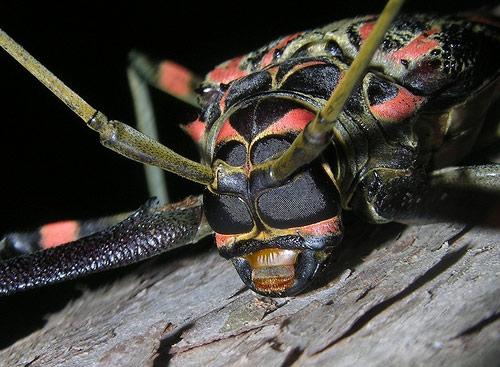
(276, 237)
(277, 234)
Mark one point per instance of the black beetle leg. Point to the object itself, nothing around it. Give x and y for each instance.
(467, 194)
(149, 231)
(15, 244)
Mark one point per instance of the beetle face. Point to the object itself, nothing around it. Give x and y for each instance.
(276, 236)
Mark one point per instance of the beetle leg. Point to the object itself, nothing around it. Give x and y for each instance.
(149, 231)
(467, 193)
(167, 76)
(54, 234)
(146, 123)
(170, 78)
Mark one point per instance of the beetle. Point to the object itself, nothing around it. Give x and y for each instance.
(285, 266)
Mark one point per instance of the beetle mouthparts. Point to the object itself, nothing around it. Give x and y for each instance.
(273, 270)
(272, 257)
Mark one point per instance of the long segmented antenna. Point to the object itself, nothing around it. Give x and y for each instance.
(114, 135)
(317, 135)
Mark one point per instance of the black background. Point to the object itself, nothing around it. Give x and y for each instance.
(53, 167)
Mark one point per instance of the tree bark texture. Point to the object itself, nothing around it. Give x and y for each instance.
(393, 296)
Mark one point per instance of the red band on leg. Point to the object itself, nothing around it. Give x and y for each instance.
(55, 234)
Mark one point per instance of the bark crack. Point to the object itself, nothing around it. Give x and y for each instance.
(444, 264)
(292, 357)
(164, 351)
(476, 328)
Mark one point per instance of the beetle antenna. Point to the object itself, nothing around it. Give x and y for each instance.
(318, 133)
(114, 135)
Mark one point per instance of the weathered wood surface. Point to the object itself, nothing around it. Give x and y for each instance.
(395, 296)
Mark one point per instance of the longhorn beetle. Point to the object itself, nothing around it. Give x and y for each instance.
(425, 95)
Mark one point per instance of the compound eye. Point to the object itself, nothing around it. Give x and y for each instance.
(209, 95)
(309, 198)
(227, 214)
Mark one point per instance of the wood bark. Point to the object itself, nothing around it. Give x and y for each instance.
(393, 296)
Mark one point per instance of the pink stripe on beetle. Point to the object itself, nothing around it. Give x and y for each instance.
(58, 233)
(175, 79)
(400, 107)
(295, 120)
(420, 46)
(195, 129)
(227, 132)
(268, 58)
(228, 71)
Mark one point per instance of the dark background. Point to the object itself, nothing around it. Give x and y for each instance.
(53, 167)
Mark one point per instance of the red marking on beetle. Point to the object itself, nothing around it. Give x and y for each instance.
(228, 71)
(222, 103)
(58, 233)
(307, 64)
(268, 58)
(322, 228)
(418, 47)
(273, 71)
(295, 120)
(195, 129)
(222, 239)
(175, 79)
(248, 166)
(227, 132)
(365, 30)
(398, 108)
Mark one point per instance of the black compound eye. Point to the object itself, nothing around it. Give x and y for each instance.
(210, 95)
(227, 214)
(309, 198)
